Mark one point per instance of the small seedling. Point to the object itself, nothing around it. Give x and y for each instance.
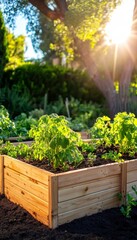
(126, 209)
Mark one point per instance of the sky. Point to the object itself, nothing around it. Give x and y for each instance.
(20, 29)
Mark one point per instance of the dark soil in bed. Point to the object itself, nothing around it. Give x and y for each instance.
(17, 224)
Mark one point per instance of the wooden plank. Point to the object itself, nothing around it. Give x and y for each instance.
(88, 210)
(24, 142)
(123, 182)
(87, 188)
(1, 174)
(129, 186)
(88, 174)
(23, 194)
(39, 214)
(131, 165)
(27, 169)
(132, 176)
(38, 189)
(53, 201)
(84, 201)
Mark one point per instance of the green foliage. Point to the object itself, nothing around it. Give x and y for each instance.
(7, 127)
(54, 140)
(18, 128)
(101, 130)
(122, 132)
(54, 80)
(15, 48)
(16, 99)
(20, 91)
(36, 113)
(83, 115)
(23, 124)
(3, 46)
(126, 209)
(112, 155)
(21, 150)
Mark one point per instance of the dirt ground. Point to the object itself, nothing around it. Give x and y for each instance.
(17, 224)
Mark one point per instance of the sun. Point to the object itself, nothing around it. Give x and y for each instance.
(118, 29)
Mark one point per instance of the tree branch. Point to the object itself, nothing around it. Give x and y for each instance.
(43, 8)
(62, 6)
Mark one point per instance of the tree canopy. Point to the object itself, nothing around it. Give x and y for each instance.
(86, 18)
(85, 22)
(3, 45)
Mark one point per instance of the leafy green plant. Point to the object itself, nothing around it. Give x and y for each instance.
(121, 132)
(112, 155)
(21, 150)
(131, 202)
(7, 126)
(91, 158)
(53, 139)
(23, 124)
(101, 130)
(82, 114)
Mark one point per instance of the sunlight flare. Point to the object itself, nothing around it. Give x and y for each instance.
(118, 29)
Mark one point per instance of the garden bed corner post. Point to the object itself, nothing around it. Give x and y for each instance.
(1, 174)
(124, 182)
(53, 201)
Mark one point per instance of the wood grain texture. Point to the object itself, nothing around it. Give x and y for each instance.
(53, 201)
(131, 165)
(132, 176)
(83, 189)
(27, 169)
(87, 200)
(26, 183)
(1, 174)
(38, 213)
(123, 189)
(87, 210)
(24, 194)
(87, 174)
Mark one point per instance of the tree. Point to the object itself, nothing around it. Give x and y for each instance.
(15, 48)
(3, 46)
(85, 21)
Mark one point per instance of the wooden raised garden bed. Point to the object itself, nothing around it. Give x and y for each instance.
(55, 199)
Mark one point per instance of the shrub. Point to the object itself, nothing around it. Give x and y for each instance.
(56, 81)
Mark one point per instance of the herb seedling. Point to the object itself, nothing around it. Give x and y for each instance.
(131, 202)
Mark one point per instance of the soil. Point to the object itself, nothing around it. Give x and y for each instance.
(17, 224)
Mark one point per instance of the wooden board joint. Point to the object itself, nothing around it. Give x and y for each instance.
(53, 201)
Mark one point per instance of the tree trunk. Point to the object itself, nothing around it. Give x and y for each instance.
(124, 86)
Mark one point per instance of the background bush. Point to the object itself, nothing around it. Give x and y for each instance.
(24, 88)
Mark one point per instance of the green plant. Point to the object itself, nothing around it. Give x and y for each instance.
(121, 132)
(16, 99)
(53, 139)
(23, 124)
(112, 155)
(21, 150)
(3, 46)
(91, 158)
(36, 113)
(126, 209)
(54, 80)
(7, 126)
